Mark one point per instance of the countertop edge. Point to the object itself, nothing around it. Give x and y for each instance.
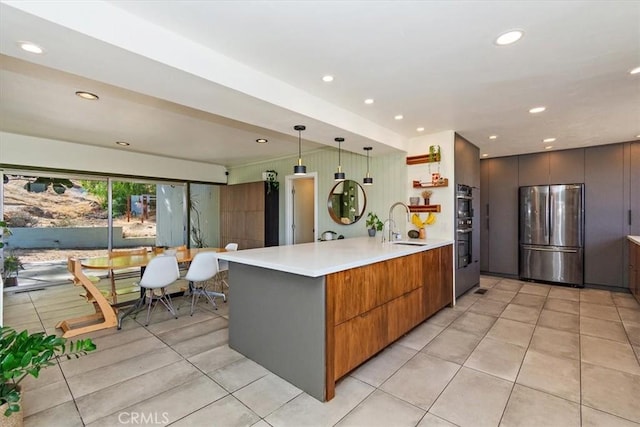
(254, 257)
(634, 239)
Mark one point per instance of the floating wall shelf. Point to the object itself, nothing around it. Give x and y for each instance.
(423, 158)
(424, 208)
(418, 184)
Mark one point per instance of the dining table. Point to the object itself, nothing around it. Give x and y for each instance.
(131, 261)
(106, 312)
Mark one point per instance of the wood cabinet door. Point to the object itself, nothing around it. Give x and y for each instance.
(358, 339)
(404, 275)
(354, 291)
(403, 313)
(431, 268)
(446, 272)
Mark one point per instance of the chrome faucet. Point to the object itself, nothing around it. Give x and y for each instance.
(390, 219)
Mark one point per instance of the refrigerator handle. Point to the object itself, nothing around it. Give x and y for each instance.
(552, 206)
(629, 216)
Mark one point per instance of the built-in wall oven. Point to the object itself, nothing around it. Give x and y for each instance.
(464, 208)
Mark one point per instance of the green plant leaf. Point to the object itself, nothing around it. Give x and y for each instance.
(23, 354)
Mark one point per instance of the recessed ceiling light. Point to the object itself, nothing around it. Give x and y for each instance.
(493, 136)
(535, 110)
(509, 37)
(548, 147)
(549, 140)
(368, 101)
(485, 155)
(420, 129)
(635, 71)
(87, 95)
(327, 78)
(30, 47)
(399, 117)
(123, 143)
(261, 141)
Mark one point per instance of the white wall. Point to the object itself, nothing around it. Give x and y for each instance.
(443, 196)
(389, 183)
(27, 151)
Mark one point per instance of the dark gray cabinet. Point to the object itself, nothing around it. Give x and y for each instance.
(467, 162)
(533, 169)
(566, 166)
(499, 215)
(611, 174)
(484, 215)
(467, 172)
(633, 210)
(605, 216)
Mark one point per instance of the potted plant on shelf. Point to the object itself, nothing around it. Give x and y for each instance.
(373, 224)
(23, 354)
(426, 195)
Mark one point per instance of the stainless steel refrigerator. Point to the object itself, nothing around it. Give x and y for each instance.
(552, 233)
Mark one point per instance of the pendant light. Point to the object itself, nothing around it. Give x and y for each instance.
(299, 169)
(339, 176)
(367, 179)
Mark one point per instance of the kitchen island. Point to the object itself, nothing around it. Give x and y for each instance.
(313, 312)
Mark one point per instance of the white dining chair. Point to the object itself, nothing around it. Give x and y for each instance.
(203, 268)
(161, 272)
(224, 265)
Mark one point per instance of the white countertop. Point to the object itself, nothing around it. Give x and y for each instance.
(322, 258)
(634, 239)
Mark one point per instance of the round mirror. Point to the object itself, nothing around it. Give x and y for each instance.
(347, 201)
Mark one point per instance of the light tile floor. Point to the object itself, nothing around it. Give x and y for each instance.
(522, 354)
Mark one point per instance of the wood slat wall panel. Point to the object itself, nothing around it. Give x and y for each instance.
(242, 211)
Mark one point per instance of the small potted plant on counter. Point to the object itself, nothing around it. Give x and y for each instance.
(373, 224)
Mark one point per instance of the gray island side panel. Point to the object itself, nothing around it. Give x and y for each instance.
(277, 319)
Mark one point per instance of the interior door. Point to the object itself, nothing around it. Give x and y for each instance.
(303, 210)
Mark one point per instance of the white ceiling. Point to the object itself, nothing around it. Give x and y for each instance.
(202, 80)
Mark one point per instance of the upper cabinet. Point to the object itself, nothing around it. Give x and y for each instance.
(533, 169)
(566, 166)
(467, 162)
(549, 168)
